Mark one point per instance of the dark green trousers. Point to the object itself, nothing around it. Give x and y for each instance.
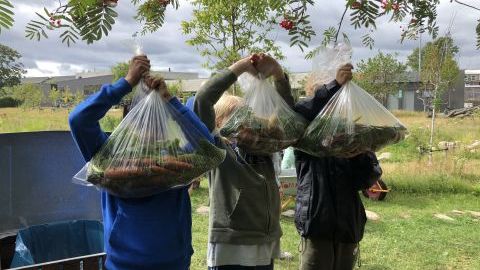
(326, 255)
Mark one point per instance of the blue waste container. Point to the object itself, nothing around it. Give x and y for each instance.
(57, 241)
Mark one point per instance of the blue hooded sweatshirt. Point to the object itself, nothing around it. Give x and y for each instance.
(147, 233)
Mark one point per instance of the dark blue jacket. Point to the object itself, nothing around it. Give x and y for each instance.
(328, 206)
(147, 233)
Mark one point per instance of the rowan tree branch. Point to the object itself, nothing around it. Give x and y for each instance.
(470, 6)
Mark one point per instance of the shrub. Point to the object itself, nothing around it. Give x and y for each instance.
(29, 95)
(109, 123)
(8, 102)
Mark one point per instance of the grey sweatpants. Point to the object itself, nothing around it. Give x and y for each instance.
(327, 255)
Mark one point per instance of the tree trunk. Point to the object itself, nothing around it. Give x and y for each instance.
(432, 131)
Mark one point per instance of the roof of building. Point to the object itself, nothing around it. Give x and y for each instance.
(58, 79)
(85, 75)
(189, 80)
(191, 85)
(93, 74)
(472, 71)
(34, 80)
(172, 75)
(409, 76)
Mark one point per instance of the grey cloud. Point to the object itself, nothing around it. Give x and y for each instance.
(387, 34)
(167, 47)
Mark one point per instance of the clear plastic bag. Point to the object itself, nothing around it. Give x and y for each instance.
(353, 121)
(154, 148)
(264, 123)
(328, 60)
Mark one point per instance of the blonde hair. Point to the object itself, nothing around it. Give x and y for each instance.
(314, 80)
(224, 108)
(310, 85)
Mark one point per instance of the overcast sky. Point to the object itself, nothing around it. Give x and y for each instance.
(167, 49)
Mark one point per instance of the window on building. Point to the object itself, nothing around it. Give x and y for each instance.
(472, 78)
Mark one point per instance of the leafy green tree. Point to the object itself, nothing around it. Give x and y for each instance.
(380, 75)
(92, 20)
(54, 95)
(439, 68)
(416, 16)
(225, 30)
(78, 97)
(29, 95)
(67, 97)
(109, 122)
(439, 71)
(11, 70)
(441, 42)
(175, 88)
(120, 70)
(6, 15)
(7, 99)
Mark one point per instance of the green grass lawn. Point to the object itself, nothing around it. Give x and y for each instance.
(27, 120)
(407, 236)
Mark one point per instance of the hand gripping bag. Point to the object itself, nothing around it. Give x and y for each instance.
(353, 121)
(154, 148)
(264, 123)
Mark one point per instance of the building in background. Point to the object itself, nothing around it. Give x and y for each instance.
(408, 97)
(411, 95)
(472, 87)
(90, 82)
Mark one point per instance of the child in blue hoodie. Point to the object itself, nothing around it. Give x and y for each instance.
(147, 233)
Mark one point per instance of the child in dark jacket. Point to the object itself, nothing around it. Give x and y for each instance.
(329, 215)
(147, 233)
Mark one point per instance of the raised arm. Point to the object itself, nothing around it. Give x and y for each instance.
(84, 119)
(285, 90)
(311, 106)
(268, 66)
(158, 84)
(214, 88)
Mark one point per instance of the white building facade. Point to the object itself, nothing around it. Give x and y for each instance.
(472, 87)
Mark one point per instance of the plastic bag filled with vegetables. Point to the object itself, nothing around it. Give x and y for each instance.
(353, 121)
(154, 148)
(264, 123)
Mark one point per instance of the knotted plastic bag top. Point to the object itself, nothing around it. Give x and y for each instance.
(327, 61)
